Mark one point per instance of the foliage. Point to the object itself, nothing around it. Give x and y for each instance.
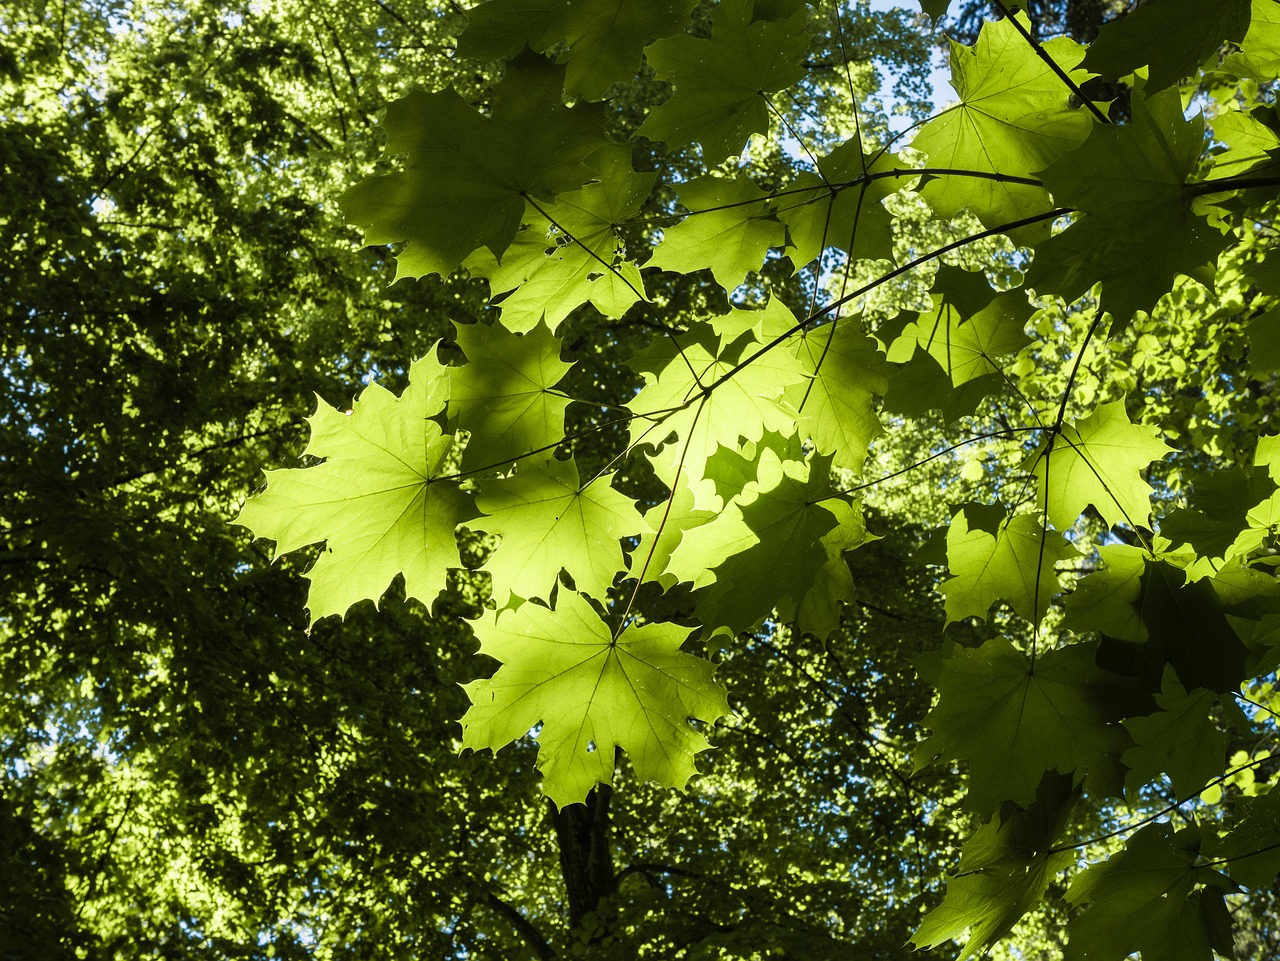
(657, 419)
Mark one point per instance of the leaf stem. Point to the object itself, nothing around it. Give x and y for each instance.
(884, 278)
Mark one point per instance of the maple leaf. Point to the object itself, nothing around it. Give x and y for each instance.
(549, 521)
(1013, 721)
(1252, 846)
(845, 372)
(721, 83)
(1189, 624)
(1252, 144)
(1181, 739)
(466, 176)
(920, 385)
(1004, 869)
(376, 501)
(850, 218)
(604, 37)
(735, 471)
(570, 252)
(969, 327)
(677, 398)
(1108, 600)
(1098, 461)
(1130, 183)
(1259, 54)
(668, 520)
(1230, 514)
(1149, 616)
(772, 547)
(729, 229)
(502, 394)
(1174, 37)
(1015, 117)
(1146, 898)
(591, 693)
(996, 557)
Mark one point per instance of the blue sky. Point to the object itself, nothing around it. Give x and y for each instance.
(941, 75)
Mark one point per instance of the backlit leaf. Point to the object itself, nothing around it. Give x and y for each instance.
(549, 521)
(1013, 721)
(729, 230)
(721, 83)
(376, 501)
(502, 395)
(465, 176)
(604, 37)
(1098, 462)
(1173, 36)
(1015, 117)
(590, 693)
(1129, 182)
(995, 557)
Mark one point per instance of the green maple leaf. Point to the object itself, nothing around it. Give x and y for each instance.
(1181, 739)
(995, 557)
(1264, 341)
(849, 218)
(920, 385)
(1146, 899)
(1253, 843)
(570, 252)
(745, 405)
(1004, 870)
(668, 520)
(591, 693)
(502, 394)
(1251, 144)
(1266, 460)
(1015, 117)
(1259, 54)
(735, 473)
(604, 37)
(730, 228)
(1013, 721)
(1109, 600)
(969, 328)
(1139, 230)
(935, 9)
(836, 403)
(1188, 621)
(1173, 37)
(1230, 514)
(548, 521)
(1149, 616)
(376, 501)
(1098, 461)
(721, 83)
(466, 176)
(771, 547)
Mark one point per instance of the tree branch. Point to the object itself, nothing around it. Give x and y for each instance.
(532, 936)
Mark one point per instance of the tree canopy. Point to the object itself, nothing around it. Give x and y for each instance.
(860, 527)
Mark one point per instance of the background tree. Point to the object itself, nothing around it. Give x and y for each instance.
(1078, 19)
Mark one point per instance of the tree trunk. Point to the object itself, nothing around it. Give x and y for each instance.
(586, 857)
